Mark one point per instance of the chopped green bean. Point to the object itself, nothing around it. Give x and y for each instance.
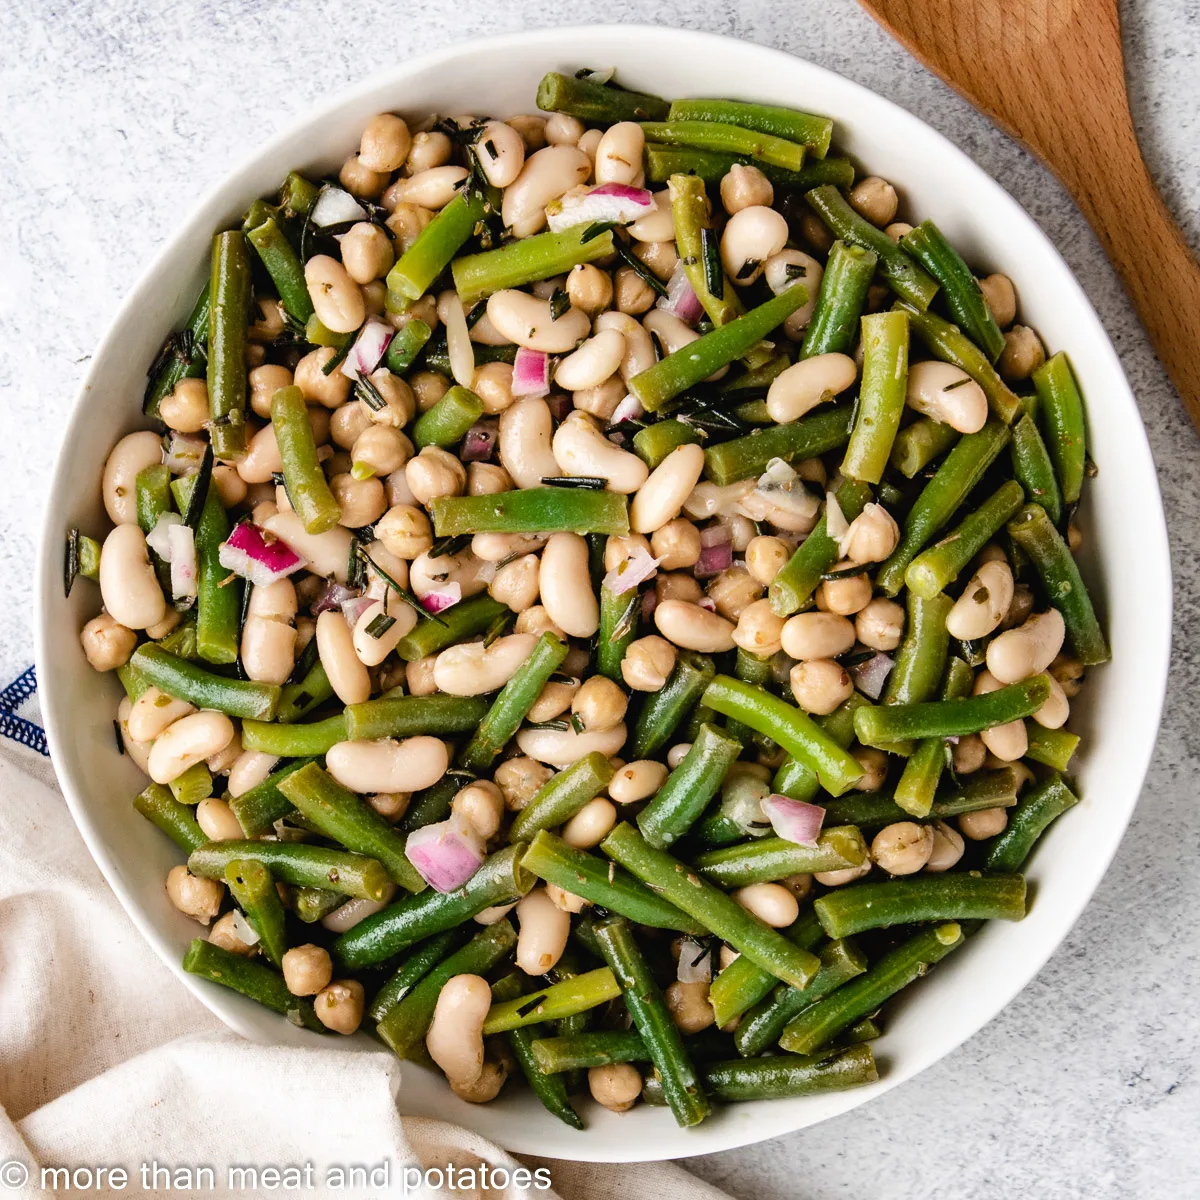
(747, 457)
(663, 711)
(562, 796)
(436, 245)
(310, 740)
(656, 441)
(532, 510)
(810, 131)
(772, 858)
(187, 681)
(458, 623)
(1033, 815)
(527, 260)
(595, 102)
(297, 863)
(713, 165)
(881, 396)
(840, 300)
(1033, 468)
(258, 809)
(253, 887)
(284, 267)
(253, 979)
(229, 317)
(176, 820)
(447, 422)
(1063, 418)
(690, 209)
(303, 477)
(578, 994)
(918, 444)
(689, 788)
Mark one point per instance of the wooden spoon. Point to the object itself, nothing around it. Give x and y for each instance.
(1051, 73)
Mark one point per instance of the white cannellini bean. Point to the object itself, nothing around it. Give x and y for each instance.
(546, 175)
(597, 360)
(133, 453)
(348, 677)
(1057, 709)
(326, 553)
(216, 820)
(249, 770)
(947, 394)
(433, 188)
(657, 226)
(752, 235)
(566, 587)
(492, 547)
(268, 637)
(560, 748)
(427, 574)
(639, 346)
(455, 1036)
(619, 153)
(262, 458)
(337, 299)
(190, 740)
(661, 498)
(471, 668)
(591, 824)
(983, 602)
(128, 585)
(501, 153)
(580, 448)
(388, 765)
(810, 382)
(789, 267)
(694, 628)
(771, 903)
(371, 650)
(139, 752)
(525, 453)
(1010, 741)
(154, 711)
(543, 929)
(813, 635)
(527, 321)
(1029, 649)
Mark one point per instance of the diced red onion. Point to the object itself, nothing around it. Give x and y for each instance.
(716, 552)
(184, 573)
(369, 348)
(335, 207)
(442, 598)
(246, 933)
(695, 962)
(681, 300)
(185, 453)
(332, 595)
(649, 603)
(531, 373)
(480, 441)
(836, 525)
(353, 608)
(630, 409)
(445, 854)
(258, 556)
(560, 406)
(794, 820)
(870, 676)
(616, 202)
(159, 538)
(707, 603)
(716, 535)
(631, 571)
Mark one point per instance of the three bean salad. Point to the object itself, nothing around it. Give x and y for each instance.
(596, 600)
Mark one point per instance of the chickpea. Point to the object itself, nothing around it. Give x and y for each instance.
(419, 676)
(815, 233)
(197, 898)
(1001, 298)
(307, 969)
(616, 1086)
(185, 409)
(435, 472)
(487, 479)
(367, 252)
(516, 583)
(677, 585)
(875, 768)
(330, 390)
(268, 324)
(493, 385)
(589, 288)
(377, 449)
(676, 544)
(744, 186)
(536, 620)
(1023, 353)
(361, 500)
(1069, 672)
(875, 199)
(519, 779)
(107, 645)
(880, 624)
(983, 823)
(385, 143)
(660, 257)
(844, 596)
(224, 934)
(759, 631)
(897, 229)
(632, 293)
(766, 557)
(406, 223)
(819, 685)
(903, 848)
(562, 130)
(872, 536)
(967, 754)
(947, 848)
(391, 806)
(733, 591)
(677, 754)
(360, 181)
(532, 130)
(647, 663)
(600, 704)
(264, 382)
(689, 1007)
(339, 1005)
(428, 150)
(428, 387)
(481, 805)
(404, 531)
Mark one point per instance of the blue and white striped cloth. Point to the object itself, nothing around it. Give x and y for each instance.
(22, 694)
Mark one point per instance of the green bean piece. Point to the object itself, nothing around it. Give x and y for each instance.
(254, 890)
(404, 1025)
(183, 357)
(662, 711)
(317, 333)
(840, 300)
(742, 984)
(455, 624)
(865, 1030)
(186, 681)
(597, 103)
(1032, 530)
(258, 809)
(513, 703)
(763, 1025)
(656, 441)
(719, 913)
(218, 594)
(297, 195)
(297, 863)
(874, 810)
(577, 994)
(298, 699)
(228, 319)
(921, 660)
(941, 498)
(153, 493)
(690, 210)
(747, 457)
(1063, 417)
(1051, 747)
(917, 786)
(661, 383)
(580, 1051)
(881, 396)
(956, 896)
(531, 510)
(405, 345)
(500, 880)
(437, 355)
(312, 904)
(413, 969)
(918, 444)
(793, 588)
(796, 781)
(652, 1020)
(951, 718)
(753, 381)
(663, 161)
(284, 267)
(194, 785)
(528, 260)
(945, 560)
(311, 740)
(176, 820)
(303, 477)
(770, 858)
(562, 796)
(812, 132)
(253, 979)
(749, 668)
(619, 612)
(603, 883)
(133, 681)
(689, 788)
(1033, 468)
(950, 344)
(787, 725)
(447, 422)
(431, 805)
(1035, 812)
(904, 277)
(415, 270)
(960, 289)
(859, 998)
(342, 817)
(407, 716)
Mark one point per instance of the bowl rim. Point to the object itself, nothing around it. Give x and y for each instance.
(48, 580)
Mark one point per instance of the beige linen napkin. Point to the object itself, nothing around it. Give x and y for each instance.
(106, 1061)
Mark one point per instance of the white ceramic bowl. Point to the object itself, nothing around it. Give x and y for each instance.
(1126, 563)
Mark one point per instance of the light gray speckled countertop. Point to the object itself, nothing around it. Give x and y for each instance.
(117, 113)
